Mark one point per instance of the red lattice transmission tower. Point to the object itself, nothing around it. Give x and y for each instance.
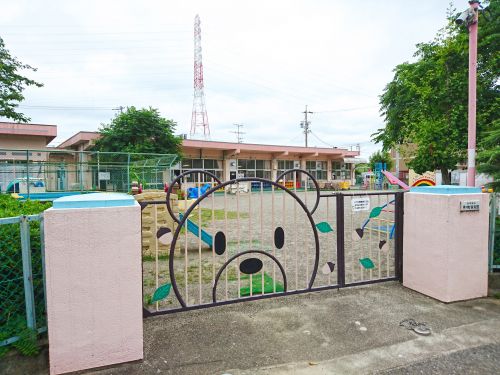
(199, 118)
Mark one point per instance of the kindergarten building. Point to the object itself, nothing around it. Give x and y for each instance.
(229, 160)
(226, 160)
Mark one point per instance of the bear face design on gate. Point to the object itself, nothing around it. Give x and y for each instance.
(250, 265)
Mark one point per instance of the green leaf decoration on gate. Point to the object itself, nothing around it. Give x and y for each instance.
(375, 212)
(367, 263)
(161, 293)
(324, 227)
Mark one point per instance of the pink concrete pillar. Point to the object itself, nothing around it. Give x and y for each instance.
(445, 252)
(94, 281)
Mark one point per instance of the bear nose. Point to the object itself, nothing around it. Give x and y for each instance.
(250, 266)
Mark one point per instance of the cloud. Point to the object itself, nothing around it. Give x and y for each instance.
(263, 62)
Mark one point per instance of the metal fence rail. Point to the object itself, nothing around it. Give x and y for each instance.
(22, 277)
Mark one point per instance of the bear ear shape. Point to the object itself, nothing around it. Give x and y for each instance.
(164, 235)
(191, 193)
(295, 176)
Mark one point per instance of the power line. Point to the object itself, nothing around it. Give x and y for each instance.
(346, 109)
(65, 108)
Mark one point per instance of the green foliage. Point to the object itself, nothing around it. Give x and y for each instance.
(139, 131)
(12, 303)
(12, 85)
(489, 158)
(27, 343)
(381, 157)
(496, 249)
(426, 102)
(10, 207)
(361, 168)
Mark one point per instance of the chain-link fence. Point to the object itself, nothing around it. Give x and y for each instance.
(22, 281)
(494, 240)
(40, 173)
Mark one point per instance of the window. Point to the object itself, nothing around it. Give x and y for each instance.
(254, 168)
(209, 165)
(339, 170)
(317, 168)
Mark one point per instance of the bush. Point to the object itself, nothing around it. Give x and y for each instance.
(12, 299)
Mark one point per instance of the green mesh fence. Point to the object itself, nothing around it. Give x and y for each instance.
(38, 173)
(22, 290)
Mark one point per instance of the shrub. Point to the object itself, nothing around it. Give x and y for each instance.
(12, 300)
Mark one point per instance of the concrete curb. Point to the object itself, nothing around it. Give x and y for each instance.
(393, 356)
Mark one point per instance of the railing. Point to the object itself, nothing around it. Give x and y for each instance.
(22, 277)
(226, 248)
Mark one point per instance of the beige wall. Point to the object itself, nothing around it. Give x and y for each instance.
(22, 142)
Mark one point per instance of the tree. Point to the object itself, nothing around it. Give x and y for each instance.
(12, 85)
(381, 157)
(426, 102)
(139, 131)
(489, 158)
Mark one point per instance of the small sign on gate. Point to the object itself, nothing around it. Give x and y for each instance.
(360, 204)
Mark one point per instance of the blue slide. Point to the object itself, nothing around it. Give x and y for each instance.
(193, 228)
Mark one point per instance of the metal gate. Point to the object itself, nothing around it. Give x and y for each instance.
(252, 238)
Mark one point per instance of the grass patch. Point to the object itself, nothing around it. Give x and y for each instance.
(219, 214)
(257, 285)
(152, 258)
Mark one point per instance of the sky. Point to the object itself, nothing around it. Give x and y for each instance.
(263, 61)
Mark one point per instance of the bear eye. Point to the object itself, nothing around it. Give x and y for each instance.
(279, 237)
(220, 243)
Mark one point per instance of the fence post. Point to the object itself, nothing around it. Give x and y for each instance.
(340, 240)
(27, 273)
(398, 250)
(27, 174)
(491, 240)
(128, 174)
(42, 253)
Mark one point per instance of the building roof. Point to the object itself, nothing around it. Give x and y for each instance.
(236, 148)
(35, 130)
(79, 138)
(85, 137)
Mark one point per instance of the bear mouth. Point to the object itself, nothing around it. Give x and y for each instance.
(249, 266)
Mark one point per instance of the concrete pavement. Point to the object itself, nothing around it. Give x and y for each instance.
(347, 331)
(350, 331)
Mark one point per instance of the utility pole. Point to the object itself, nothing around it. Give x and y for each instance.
(470, 18)
(120, 108)
(238, 132)
(305, 124)
(471, 143)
